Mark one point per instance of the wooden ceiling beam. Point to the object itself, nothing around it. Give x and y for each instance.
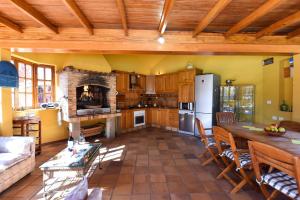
(211, 15)
(35, 14)
(294, 33)
(291, 19)
(165, 15)
(145, 41)
(256, 14)
(6, 22)
(75, 9)
(122, 11)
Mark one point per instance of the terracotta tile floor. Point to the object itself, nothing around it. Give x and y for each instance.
(147, 164)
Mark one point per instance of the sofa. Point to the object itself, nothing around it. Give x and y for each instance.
(17, 159)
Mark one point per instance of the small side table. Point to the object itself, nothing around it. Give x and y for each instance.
(27, 126)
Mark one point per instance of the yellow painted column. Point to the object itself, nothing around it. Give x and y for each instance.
(6, 112)
(296, 89)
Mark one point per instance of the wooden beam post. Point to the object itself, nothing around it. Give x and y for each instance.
(6, 22)
(211, 15)
(34, 14)
(165, 15)
(291, 19)
(75, 9)
(256, 14)
(122, 11)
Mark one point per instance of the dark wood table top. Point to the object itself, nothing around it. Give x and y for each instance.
(282, 142)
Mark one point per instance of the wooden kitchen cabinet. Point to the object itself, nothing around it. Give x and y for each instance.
(154, 116)
(150, 84)
(126, 119)
(171, 83)
(160, 83)
(148, 116)
(129, 119)
(186, 92)
(122, 82)
(123, 120)
(188, 75)
(162, 116)
(142, 83)
(173, 118)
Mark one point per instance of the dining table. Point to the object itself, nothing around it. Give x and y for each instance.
(289, 142)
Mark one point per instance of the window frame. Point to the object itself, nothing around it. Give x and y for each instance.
(35, 80)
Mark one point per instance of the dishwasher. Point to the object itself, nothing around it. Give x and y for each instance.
(186, 122)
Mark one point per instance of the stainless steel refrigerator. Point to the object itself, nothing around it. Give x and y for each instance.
(207, 100)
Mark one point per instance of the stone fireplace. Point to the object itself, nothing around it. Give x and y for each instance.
(88, 95)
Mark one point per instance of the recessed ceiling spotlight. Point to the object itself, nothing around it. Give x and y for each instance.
(161, 40)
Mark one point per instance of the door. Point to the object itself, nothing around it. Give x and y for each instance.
(204, 93)
(206, 120)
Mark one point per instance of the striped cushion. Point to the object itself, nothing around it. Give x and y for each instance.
(211, 142)
(244, 158)
(282, 182)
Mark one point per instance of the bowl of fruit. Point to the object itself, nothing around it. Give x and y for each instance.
(275, 130)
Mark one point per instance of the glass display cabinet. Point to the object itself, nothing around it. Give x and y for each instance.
(238, 99)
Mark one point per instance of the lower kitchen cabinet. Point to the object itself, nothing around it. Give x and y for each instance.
(158, 117)
(126, 119)
(173, 118)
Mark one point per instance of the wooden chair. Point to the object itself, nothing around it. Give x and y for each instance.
(225, 118)
(285, 178)
(290, 125)
(210, 145)
(233, 157)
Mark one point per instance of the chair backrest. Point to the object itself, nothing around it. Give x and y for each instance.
(225, 118)
(201, 131)
(223, 136)
(274, 157)
(290, 125)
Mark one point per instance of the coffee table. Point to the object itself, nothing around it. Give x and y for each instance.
(67, 168)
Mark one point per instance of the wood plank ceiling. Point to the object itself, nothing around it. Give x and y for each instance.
(258, 18)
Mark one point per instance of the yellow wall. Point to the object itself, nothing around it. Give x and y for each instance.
(52, 128)
(272, 90)
(6, 108)
(296, 89)
(134, 63)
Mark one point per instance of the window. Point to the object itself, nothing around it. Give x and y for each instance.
(36, 84)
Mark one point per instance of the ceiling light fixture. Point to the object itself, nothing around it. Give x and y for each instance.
(161, 40)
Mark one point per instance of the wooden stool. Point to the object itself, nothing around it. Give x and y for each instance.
(26, 124)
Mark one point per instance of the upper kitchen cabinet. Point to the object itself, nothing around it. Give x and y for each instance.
(122, 82)
(150, 84)
(186, 92)
(188, 75)
(171, 83)
(141, 83)
(160, 83)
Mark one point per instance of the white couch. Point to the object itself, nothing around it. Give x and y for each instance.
(17, 159)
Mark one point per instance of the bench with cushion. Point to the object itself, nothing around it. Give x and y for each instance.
(17, 159)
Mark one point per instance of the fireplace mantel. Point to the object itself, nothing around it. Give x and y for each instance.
(91, 117)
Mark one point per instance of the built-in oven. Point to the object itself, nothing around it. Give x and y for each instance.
(139, 118)
(186, 122)
(186, 106)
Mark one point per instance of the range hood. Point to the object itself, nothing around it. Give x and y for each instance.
(8, 75)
